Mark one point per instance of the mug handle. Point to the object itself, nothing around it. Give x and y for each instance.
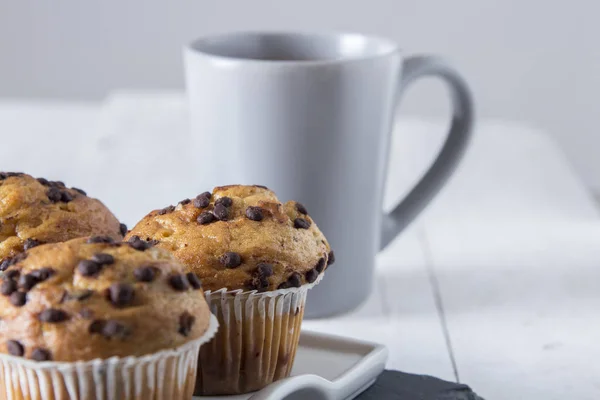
(452, 151)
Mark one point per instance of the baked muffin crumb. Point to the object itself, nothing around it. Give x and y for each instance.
(53, 307)
(240, 237)
(37, 211)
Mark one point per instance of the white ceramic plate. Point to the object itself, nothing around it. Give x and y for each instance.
(327, 367)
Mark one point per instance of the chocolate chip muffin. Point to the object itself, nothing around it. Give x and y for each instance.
(104, 314)
(240, 237)
(36, 211)
(257, 258)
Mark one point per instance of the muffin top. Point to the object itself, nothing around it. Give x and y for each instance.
(35, 211)
(92, 298)
(240, 237)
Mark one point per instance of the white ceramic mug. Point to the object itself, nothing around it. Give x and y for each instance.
(310, 116)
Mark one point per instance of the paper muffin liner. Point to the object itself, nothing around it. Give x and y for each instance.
(168, 374)
(256, 342)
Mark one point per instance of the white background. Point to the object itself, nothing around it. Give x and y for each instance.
(533, 61)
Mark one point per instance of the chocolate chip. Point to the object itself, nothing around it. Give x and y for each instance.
(264, 269)
(123, 229)
(166, 210)
(88, 268)
(86, 313)
(260, 283)
(9, 174)
(15, 348)
(58, 184)
(185, 202)
(311, 275)
(100, 239)
(205, 218)
(261, 186)
(108, 329)
(283, 285)
(18, 299)
(5, 264)
(121, 294)
(301, 223)
(78, 295)
(41, 355)
(113, 328)
(145, 274)
(53, 315)
(202, 200)
(139, 244)
(320, 265)
(2, 176)
(179, 282)
(28, 281)
(186, 320)
(18, 258)
(103, 258)
(231, 259)
(134, 238)
(79, 191)
(8, 262)
(30, 243)
(331, 258)
(8, 287)
(43, 274)
(43, 181)
(54, 194)
(221, 212)
(301, 209)
(66, 196)
(97, 326)
(226, 201)
(12, 274)
(295, 280)
(254, 213)
(194, 281)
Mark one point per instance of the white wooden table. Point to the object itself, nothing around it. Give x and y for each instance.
(497, 284)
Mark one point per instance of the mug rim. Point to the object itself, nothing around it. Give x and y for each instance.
(385, 47)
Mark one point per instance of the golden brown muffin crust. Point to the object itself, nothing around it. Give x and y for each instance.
(35, 211)
(240, 237)
(81, 301)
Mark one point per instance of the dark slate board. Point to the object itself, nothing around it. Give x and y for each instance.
(396, 385)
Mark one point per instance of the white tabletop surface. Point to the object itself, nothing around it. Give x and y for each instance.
(497, 284)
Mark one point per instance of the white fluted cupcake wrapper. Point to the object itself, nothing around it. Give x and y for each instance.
(168, 374)
(257, 340)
